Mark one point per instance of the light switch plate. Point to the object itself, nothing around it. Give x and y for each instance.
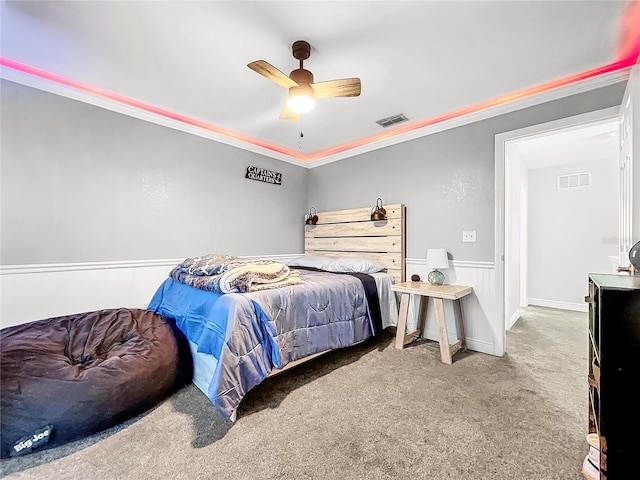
(468, 235)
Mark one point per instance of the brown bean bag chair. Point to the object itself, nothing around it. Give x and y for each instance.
(68, 377)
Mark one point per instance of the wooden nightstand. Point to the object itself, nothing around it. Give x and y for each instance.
(438, 293)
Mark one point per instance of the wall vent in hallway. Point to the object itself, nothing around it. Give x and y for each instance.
(574, 180)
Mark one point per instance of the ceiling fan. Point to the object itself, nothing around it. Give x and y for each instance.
(302, 91)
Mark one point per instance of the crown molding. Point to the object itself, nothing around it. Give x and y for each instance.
(66, 91)
(344, 151)
(533, 100)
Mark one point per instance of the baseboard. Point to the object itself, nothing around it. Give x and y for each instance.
(480, 346)
(576, 307)
(472, 343)
(513, 319)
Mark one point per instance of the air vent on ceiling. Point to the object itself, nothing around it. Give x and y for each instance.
(392, 120)
(575, 180)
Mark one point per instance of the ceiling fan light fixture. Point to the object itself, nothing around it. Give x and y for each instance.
(301, 99)
(303, 91)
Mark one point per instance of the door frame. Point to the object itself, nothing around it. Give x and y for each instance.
(501, 139)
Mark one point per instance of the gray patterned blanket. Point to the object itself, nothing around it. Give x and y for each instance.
(227, 274)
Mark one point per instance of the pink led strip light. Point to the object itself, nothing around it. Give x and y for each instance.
(628, 54)
(99, 92)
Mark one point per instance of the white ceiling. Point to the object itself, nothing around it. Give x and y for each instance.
(424, 59)
(596, 141)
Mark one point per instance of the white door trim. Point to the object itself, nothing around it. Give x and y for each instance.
(501, 139)
(629, 186)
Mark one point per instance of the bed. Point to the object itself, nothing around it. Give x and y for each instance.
(237, 340)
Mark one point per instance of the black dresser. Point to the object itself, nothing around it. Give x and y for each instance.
(614, 373)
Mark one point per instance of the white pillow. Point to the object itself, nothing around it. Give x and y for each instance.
(354, 265)
(311, 261)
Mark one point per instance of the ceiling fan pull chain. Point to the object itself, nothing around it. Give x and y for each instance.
(301, 134)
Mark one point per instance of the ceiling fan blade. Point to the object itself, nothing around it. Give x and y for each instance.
(288, 114)
(345, 87)
(272, 73)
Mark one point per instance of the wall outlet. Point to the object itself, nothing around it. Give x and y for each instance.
(468, 235)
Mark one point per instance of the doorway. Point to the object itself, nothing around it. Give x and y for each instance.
(513, 209)
(561, 215)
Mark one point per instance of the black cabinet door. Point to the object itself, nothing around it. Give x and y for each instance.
(619, 398)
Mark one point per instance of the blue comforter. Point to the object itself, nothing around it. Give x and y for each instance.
(250, 334)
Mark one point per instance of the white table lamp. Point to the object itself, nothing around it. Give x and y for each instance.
(436, 259)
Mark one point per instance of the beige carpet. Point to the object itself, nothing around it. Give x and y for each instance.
(367, 412)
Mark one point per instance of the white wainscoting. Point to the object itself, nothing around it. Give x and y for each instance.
(481, 322)
(34, 292)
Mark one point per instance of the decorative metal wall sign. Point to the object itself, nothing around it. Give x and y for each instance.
(263, 175)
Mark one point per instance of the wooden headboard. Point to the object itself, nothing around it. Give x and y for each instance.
(351, 233)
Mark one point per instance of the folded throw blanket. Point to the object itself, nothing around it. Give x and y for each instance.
(205, 265)
(225, 274)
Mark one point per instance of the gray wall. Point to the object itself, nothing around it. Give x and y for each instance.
(446, 180)
(572, 232)
(80, 184)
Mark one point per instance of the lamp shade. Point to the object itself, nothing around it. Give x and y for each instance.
(437, 258)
